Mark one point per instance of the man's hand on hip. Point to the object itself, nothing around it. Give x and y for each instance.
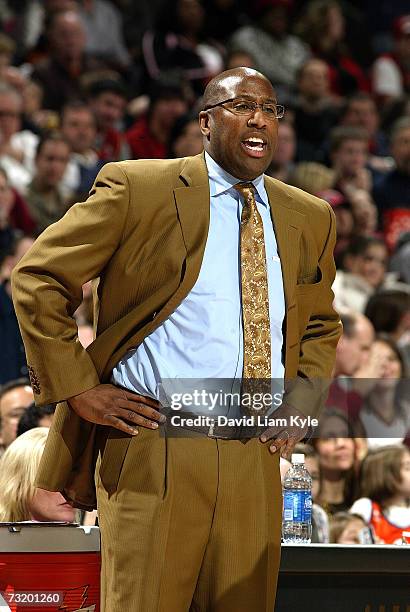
(115, 407)
(285, 437)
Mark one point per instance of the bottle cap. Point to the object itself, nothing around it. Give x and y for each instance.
(298, 458)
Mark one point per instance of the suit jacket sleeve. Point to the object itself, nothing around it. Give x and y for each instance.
(47, 286)
(308, 391)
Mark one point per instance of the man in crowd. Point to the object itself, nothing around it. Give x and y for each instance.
(108, 101)
(15, 397)
(45, 198)
(78, 127)
(179, 246)
(60, 74)
(357, 366)
(348, 156)
(353, 349)
(361, 112)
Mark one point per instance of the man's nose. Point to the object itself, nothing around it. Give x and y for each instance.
(257, 118)
(340, 440)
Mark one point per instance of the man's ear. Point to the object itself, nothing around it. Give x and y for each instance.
(204, 124)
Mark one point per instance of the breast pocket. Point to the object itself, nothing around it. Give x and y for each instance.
(308, 284)
(306, 296)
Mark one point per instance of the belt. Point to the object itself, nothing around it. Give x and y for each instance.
(243, 433)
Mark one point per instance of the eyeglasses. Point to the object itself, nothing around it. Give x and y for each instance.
(239, 106)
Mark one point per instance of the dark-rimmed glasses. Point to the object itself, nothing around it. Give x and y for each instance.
(240, 106)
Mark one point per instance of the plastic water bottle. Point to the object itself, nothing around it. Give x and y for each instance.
(297, 503)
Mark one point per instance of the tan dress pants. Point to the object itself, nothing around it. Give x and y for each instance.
(188, 524)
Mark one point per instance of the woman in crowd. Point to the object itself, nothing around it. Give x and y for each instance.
(20, 500)
(338, 453)
(365, 264)
(385, 486)
(385, 416)
(322, 26)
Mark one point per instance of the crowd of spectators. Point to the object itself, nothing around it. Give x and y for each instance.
(85, 82)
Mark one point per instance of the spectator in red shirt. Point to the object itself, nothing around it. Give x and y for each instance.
(14, 213)
(108, 100)
(392, 193)
(150, 134)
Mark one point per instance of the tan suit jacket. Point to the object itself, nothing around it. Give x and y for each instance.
(142, 233)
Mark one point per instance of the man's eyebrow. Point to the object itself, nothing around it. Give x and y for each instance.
(249, 97)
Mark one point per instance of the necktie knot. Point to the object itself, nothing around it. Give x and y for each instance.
(247, 190)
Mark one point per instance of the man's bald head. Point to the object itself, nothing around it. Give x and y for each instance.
(226, 81)
(241, 139)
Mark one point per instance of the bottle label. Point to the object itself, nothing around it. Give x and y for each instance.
(297, 506)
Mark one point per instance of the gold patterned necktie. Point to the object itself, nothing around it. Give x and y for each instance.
(255, 297)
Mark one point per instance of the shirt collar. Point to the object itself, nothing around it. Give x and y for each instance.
(221, 181)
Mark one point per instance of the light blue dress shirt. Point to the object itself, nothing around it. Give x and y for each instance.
(203, 337)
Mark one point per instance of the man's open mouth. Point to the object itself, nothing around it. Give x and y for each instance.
(254, 146)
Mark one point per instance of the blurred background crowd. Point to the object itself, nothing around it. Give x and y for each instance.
(84, 82)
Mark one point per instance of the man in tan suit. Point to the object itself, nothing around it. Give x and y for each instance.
(190, 522)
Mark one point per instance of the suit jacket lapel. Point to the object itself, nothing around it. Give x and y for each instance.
(287, 223)
(193, 204)
(192, 200)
